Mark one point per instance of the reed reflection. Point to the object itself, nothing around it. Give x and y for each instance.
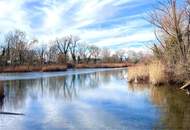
(174, 105)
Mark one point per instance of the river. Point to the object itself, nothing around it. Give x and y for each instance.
(89, 99)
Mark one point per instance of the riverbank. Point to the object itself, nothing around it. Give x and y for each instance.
(102, 65)
(25, 68)
(155, 73)
(49, 68)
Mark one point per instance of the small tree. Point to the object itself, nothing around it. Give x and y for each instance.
(63, 45)
(16, 48)
(94, 52)
(106, 55)
(53, 54)
(121, 54)
(73, 47)
(82, 50)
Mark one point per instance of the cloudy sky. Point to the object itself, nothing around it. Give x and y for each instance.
(106, 23)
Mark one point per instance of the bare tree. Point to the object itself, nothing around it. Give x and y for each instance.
(63, 45)
(169, 20)
(41, 51)
(172, 24)
(89, 53)
(73, 47)
(16, 47)
(106, 55)
(121, 54)
(31, 53)
(94, 52)
(82, 52)
(134, 57)
(53, 54)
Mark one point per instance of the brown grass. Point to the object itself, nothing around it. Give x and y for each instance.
(102, 65)
(48, 68)
(138, 73)
(157, 73)
(153, 73)
(25, 68)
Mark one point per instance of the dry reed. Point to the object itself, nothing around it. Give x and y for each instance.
(153, 73)
(26, 68)
(102, 65)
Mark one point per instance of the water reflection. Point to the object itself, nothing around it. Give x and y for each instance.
(1, 96)
(173, 104)
(99, 100)
(68, 87)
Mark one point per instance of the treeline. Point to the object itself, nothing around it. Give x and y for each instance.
(172, 21)
(16, 49)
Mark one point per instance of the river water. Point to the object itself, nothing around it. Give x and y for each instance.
(89, 99)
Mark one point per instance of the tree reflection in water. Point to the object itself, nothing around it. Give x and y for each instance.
(13, 93)
(1, 96)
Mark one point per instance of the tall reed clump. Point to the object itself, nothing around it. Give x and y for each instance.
(157, 73)
(138, 73)
(153, 73)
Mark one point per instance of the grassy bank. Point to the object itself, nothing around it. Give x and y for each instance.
(154, 73)
(157, 73)
(102, 65)
(25, 68)
(49, 68)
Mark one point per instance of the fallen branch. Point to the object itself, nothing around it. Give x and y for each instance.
(186, 86)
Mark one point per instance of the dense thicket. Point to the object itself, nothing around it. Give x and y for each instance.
(172, 21)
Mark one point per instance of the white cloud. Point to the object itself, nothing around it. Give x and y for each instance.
(12, 16)
(136, 37)
(61, 18)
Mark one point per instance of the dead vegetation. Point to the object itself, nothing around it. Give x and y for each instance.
(153, 73)
(44, 68)
(172, 22)
(102, 65)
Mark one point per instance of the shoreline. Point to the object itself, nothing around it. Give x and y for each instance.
(58, 67)
(26, 68)
(101, 65)
(154, 73)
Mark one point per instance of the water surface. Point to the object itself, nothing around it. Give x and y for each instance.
(92, 99)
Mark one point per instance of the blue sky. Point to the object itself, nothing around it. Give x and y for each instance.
(116, 24)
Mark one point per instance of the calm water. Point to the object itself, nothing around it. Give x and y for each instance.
(95, 99)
